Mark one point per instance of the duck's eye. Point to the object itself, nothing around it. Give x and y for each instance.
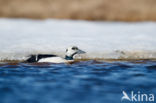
(66, 50)
(74, 48)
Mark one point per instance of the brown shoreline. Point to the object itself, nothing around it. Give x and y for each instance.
(110, 10)
(95, 59)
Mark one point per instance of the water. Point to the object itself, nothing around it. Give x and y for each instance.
(81, 82)
(84, 81)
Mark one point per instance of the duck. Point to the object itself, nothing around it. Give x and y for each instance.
(50, 58)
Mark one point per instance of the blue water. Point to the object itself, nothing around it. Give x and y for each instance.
(81, 82)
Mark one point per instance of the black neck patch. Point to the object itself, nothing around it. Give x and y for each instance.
(69, 57)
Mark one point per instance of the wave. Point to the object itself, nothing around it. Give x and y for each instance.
(103, 40)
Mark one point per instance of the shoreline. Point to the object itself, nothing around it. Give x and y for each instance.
(105, 10)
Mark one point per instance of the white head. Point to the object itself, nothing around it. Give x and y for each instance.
(71, 51)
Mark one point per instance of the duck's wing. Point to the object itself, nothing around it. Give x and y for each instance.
(36, 58)
(53, 60)
(41, 56)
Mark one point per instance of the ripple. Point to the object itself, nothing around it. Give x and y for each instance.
(153, 67)
(84, 81)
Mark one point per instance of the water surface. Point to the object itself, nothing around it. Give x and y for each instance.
(80, 82)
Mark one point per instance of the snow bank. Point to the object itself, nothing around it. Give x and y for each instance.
(22, 37)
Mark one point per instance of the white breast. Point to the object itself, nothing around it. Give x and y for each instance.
(54, 60)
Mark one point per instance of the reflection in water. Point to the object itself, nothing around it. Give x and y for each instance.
(80, 82)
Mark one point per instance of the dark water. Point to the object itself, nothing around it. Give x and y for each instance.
(81, 82)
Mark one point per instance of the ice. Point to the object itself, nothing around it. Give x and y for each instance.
(22, 37)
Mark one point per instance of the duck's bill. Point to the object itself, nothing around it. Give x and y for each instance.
(81, 52)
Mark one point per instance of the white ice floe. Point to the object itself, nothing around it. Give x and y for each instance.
(21, 37)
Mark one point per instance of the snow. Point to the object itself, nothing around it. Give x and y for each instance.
(22, 37)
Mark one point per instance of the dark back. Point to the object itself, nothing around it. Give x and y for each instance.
(36, 58)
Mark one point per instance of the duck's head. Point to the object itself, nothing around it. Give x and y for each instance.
(73, 50)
